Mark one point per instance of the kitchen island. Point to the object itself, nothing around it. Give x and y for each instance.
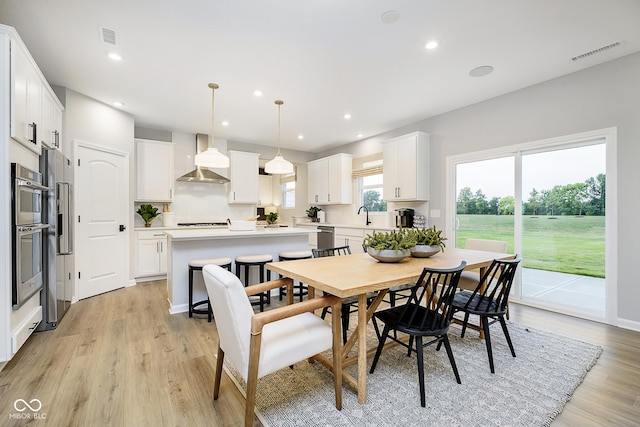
(185, 245)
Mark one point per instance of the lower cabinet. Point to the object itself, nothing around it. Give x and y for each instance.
(353, 237)
(151, 253)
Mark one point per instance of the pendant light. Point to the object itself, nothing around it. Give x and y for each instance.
(212, 158)
(278, 165)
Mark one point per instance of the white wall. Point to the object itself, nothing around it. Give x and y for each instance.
(603, 96)
(91, 121)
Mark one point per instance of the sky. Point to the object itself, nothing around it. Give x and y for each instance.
(541, 171)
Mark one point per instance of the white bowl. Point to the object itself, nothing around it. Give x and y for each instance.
(238, 225)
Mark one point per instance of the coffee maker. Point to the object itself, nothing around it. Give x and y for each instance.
(404, 218)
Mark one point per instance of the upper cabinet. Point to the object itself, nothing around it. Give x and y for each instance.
(154, 171)
(36, 113)
(243, 173)
(329, 181)
(50, 133)
(406, 168)
(265, 193)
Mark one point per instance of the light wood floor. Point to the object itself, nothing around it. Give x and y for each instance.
(119, 359)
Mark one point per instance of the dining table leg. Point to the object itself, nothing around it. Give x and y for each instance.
(362, 349)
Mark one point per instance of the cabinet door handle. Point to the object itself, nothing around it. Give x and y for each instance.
(398, 191)
(34, 128)
(328, 197)
(56, 138)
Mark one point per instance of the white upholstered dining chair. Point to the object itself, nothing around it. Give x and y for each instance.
(262, 343)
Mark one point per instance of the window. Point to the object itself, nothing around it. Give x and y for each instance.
(369, 179)
(288, 185)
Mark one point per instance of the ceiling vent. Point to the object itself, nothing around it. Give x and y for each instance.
(107, 36)
(595, 51)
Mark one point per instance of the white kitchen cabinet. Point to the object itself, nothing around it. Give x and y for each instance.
(26, 98)
(243, 173)
(353, 237)
(154, 171)
(265, 192)
(50, 132)
(406, 168)
(329, 181)
(151, 253)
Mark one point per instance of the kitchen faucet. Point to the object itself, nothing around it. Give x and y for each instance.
(367, 211)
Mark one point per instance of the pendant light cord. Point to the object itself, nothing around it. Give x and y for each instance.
(213, 87)
(279, 104)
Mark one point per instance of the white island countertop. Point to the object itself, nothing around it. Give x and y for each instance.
(223, 233)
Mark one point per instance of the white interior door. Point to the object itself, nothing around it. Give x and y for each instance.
(102, 199)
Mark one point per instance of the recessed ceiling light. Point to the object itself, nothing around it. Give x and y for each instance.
(257, 93)
(225, 123)
(118, 104)
(347, 116)
(300, 136)
(481, 71)
(390, 16)
(360, 135)
(115, 56)
(432, 44)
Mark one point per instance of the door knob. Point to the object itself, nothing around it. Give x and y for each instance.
(122, 227)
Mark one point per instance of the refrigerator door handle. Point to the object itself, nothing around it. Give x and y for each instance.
(65, 239)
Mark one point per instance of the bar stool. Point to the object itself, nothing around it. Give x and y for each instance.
(290, 256)
(196, 265)
(258, 260)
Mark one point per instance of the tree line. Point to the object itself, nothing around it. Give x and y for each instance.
(583, 198)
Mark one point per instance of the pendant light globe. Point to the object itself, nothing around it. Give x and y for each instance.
(212, 158)
(278, 165)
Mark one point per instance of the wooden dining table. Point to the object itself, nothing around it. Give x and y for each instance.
(359, 274)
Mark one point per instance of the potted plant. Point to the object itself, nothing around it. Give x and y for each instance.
(148, 214)
(272, 218)
(312, 213)
(390, 246)
(429, 241)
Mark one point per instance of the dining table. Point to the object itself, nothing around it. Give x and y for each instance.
(360, 274)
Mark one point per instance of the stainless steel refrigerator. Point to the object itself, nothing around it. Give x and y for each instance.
(57, 174)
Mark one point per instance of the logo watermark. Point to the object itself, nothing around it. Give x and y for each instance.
(27, 410)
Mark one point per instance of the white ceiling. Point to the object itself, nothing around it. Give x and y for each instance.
(323, 58)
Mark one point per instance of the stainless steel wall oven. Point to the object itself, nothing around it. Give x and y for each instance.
(27, 233)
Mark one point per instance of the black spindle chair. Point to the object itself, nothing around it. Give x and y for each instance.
(427, 313)
(489, 300)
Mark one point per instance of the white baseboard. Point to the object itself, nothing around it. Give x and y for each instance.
(629, 324)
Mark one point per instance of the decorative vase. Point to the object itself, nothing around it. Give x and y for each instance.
(389, 255)
(424, 251)
(315, 219)
(147, 224)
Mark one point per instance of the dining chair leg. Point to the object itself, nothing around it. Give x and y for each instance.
(381, 341)
(218, 376)
(252, 379)
(346, 311)
(506, 335)
(464, 324)
(420, 357)
(447, 346)
(487, 340)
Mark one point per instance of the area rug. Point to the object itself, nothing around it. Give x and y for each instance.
(529, 390)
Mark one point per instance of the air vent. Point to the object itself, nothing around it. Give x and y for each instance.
(108, 36)
(593, 52)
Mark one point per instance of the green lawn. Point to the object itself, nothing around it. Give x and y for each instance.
(565, 244)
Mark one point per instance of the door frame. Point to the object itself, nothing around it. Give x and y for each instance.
(609, 135)
(77, 143)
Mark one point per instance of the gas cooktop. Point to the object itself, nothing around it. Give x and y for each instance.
(201, 224)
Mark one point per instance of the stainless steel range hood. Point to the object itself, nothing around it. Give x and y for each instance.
(203, 174)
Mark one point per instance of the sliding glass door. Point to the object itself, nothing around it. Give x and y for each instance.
(548, 202)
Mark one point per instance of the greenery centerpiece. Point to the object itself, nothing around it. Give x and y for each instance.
(312, 213)
(429, 241)
(148, 214)
(390, 246)
(272, 218)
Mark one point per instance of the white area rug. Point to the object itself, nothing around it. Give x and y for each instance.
(529, 390)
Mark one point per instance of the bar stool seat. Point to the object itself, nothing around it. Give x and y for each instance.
(196, 265)
(255, 260)
(290, 256)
